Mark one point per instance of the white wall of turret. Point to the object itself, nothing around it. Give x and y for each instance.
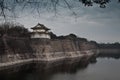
(37, 35)
(39, 30)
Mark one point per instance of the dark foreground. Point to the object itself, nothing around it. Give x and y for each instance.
(103, 69)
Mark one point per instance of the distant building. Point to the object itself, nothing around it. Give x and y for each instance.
(40, 31)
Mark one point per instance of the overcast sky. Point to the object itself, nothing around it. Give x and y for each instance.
(93, 23)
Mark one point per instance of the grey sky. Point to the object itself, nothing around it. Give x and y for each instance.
(93, 23)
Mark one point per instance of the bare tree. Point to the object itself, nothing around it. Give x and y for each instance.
(9, 7)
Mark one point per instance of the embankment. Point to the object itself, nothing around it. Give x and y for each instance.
(24, 50)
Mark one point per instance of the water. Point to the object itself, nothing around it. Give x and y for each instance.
(103, 69)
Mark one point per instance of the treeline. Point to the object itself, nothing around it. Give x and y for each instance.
(13, 30)
(70, 36)
(115, 45)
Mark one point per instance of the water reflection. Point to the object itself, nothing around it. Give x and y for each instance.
(102, 69)
(43, 71)
(112, 55)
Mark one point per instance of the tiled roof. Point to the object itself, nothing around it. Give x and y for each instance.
(40, 26)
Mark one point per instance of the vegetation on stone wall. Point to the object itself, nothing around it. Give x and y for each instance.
(2, 47)
(14, 30)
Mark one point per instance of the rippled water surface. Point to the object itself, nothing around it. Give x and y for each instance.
(103, 69)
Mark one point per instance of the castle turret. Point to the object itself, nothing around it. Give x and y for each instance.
(40, 31)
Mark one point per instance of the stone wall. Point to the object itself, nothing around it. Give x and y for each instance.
(15, 49)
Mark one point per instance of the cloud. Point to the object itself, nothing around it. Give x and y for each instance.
(94, 23)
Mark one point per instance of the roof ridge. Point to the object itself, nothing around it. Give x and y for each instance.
(40, 26)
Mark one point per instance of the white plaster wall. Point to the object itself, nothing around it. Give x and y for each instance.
(40, 36)
(39, 30)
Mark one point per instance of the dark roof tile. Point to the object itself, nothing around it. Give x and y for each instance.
(40, 26)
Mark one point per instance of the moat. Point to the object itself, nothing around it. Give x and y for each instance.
(102, 69)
